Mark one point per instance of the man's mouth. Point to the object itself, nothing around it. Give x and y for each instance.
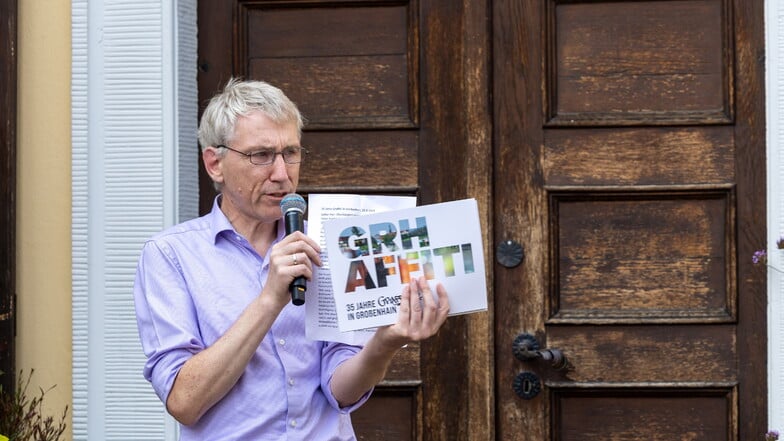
(277, 196)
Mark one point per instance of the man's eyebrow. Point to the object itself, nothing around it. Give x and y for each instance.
(265, 149)
(261, 147)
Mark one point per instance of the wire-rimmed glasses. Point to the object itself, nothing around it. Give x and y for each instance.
(290, 155)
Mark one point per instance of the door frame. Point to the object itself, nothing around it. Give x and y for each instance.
(8, 90)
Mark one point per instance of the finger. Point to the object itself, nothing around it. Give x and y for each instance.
(290, 264)
(304, 252)
(288, 260)
(429, 313)
(306, 240)
(312, 255)
(415, 321)
(301, 266)
(403, 317)
(299, 258)
(443, 304)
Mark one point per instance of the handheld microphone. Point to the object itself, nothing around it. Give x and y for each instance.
(293, 207)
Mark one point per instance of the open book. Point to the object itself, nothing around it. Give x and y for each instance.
(373, 245)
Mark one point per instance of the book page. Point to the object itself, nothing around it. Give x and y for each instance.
(321, 315)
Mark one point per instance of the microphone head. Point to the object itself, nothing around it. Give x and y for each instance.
(293, 201)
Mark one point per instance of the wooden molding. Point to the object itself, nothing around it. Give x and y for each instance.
(8, 57)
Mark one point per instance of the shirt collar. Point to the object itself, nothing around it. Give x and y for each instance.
(220, 223)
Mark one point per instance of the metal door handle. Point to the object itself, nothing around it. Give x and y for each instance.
(526, 348)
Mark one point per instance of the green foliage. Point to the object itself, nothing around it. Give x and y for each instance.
(22, 417)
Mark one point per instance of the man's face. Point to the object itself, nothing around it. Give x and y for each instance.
(252, 193)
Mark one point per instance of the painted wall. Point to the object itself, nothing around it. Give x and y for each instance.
(43, 205)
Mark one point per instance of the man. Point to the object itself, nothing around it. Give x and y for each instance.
(226, 350)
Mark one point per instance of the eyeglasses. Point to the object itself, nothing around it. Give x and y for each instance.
(290, 155)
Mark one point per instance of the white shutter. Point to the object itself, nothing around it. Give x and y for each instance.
(134, 173)
(774, 24)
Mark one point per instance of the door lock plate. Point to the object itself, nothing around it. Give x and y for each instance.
(527, 385)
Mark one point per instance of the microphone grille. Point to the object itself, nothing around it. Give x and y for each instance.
(293, 201)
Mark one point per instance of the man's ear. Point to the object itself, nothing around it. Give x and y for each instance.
(213, 164)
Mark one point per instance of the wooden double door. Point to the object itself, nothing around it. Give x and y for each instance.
(616, 149)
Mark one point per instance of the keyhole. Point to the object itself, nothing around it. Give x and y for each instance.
(527, 385)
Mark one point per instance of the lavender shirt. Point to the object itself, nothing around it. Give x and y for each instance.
(192, 282)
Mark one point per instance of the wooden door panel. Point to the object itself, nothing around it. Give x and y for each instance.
(622, 172)
(364, 161)
(626, 354)
(383, 100)
(344, 31)
(347, 66)
(639, 63)
(392, 414)
(644, 414)
(642, 256)
(639, 156)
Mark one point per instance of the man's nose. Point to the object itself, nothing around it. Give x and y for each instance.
(279, 169)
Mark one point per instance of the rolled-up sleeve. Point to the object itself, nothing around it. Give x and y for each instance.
(333, 354)
(165, 315)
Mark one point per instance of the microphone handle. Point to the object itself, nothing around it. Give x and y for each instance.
(297, 291)
(298, 287)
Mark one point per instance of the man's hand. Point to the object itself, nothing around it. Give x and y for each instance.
(293, 256)
(419, 316)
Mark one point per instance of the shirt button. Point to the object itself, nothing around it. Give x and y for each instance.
(293, 423)
(291, 382)
(282, 342)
